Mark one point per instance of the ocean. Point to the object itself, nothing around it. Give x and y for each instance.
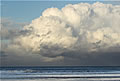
(60, 73)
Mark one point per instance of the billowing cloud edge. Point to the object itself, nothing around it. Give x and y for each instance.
(81, 28)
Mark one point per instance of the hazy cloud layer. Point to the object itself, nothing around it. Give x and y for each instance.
(84, 34)
(9, 30)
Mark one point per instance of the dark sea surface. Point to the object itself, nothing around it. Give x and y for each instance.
(59, 73)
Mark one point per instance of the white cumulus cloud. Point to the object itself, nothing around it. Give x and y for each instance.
(82, 27)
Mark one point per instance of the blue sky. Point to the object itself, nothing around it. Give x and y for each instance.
(25, 11)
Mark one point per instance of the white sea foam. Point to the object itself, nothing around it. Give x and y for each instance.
(77, 79)
(61, 74)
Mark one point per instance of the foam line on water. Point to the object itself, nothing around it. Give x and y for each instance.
(64, 76)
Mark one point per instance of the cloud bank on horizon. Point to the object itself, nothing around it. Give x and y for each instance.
(73, 31)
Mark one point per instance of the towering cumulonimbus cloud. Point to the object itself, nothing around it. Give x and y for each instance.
(81, 28)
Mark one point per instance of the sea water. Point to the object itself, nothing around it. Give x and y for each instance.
(60, 73)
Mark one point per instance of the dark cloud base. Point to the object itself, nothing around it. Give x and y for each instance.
(95, 59)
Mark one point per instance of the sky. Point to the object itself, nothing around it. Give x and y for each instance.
(60, 33)
(26, 11)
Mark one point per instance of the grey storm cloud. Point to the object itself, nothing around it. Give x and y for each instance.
(81, 33)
